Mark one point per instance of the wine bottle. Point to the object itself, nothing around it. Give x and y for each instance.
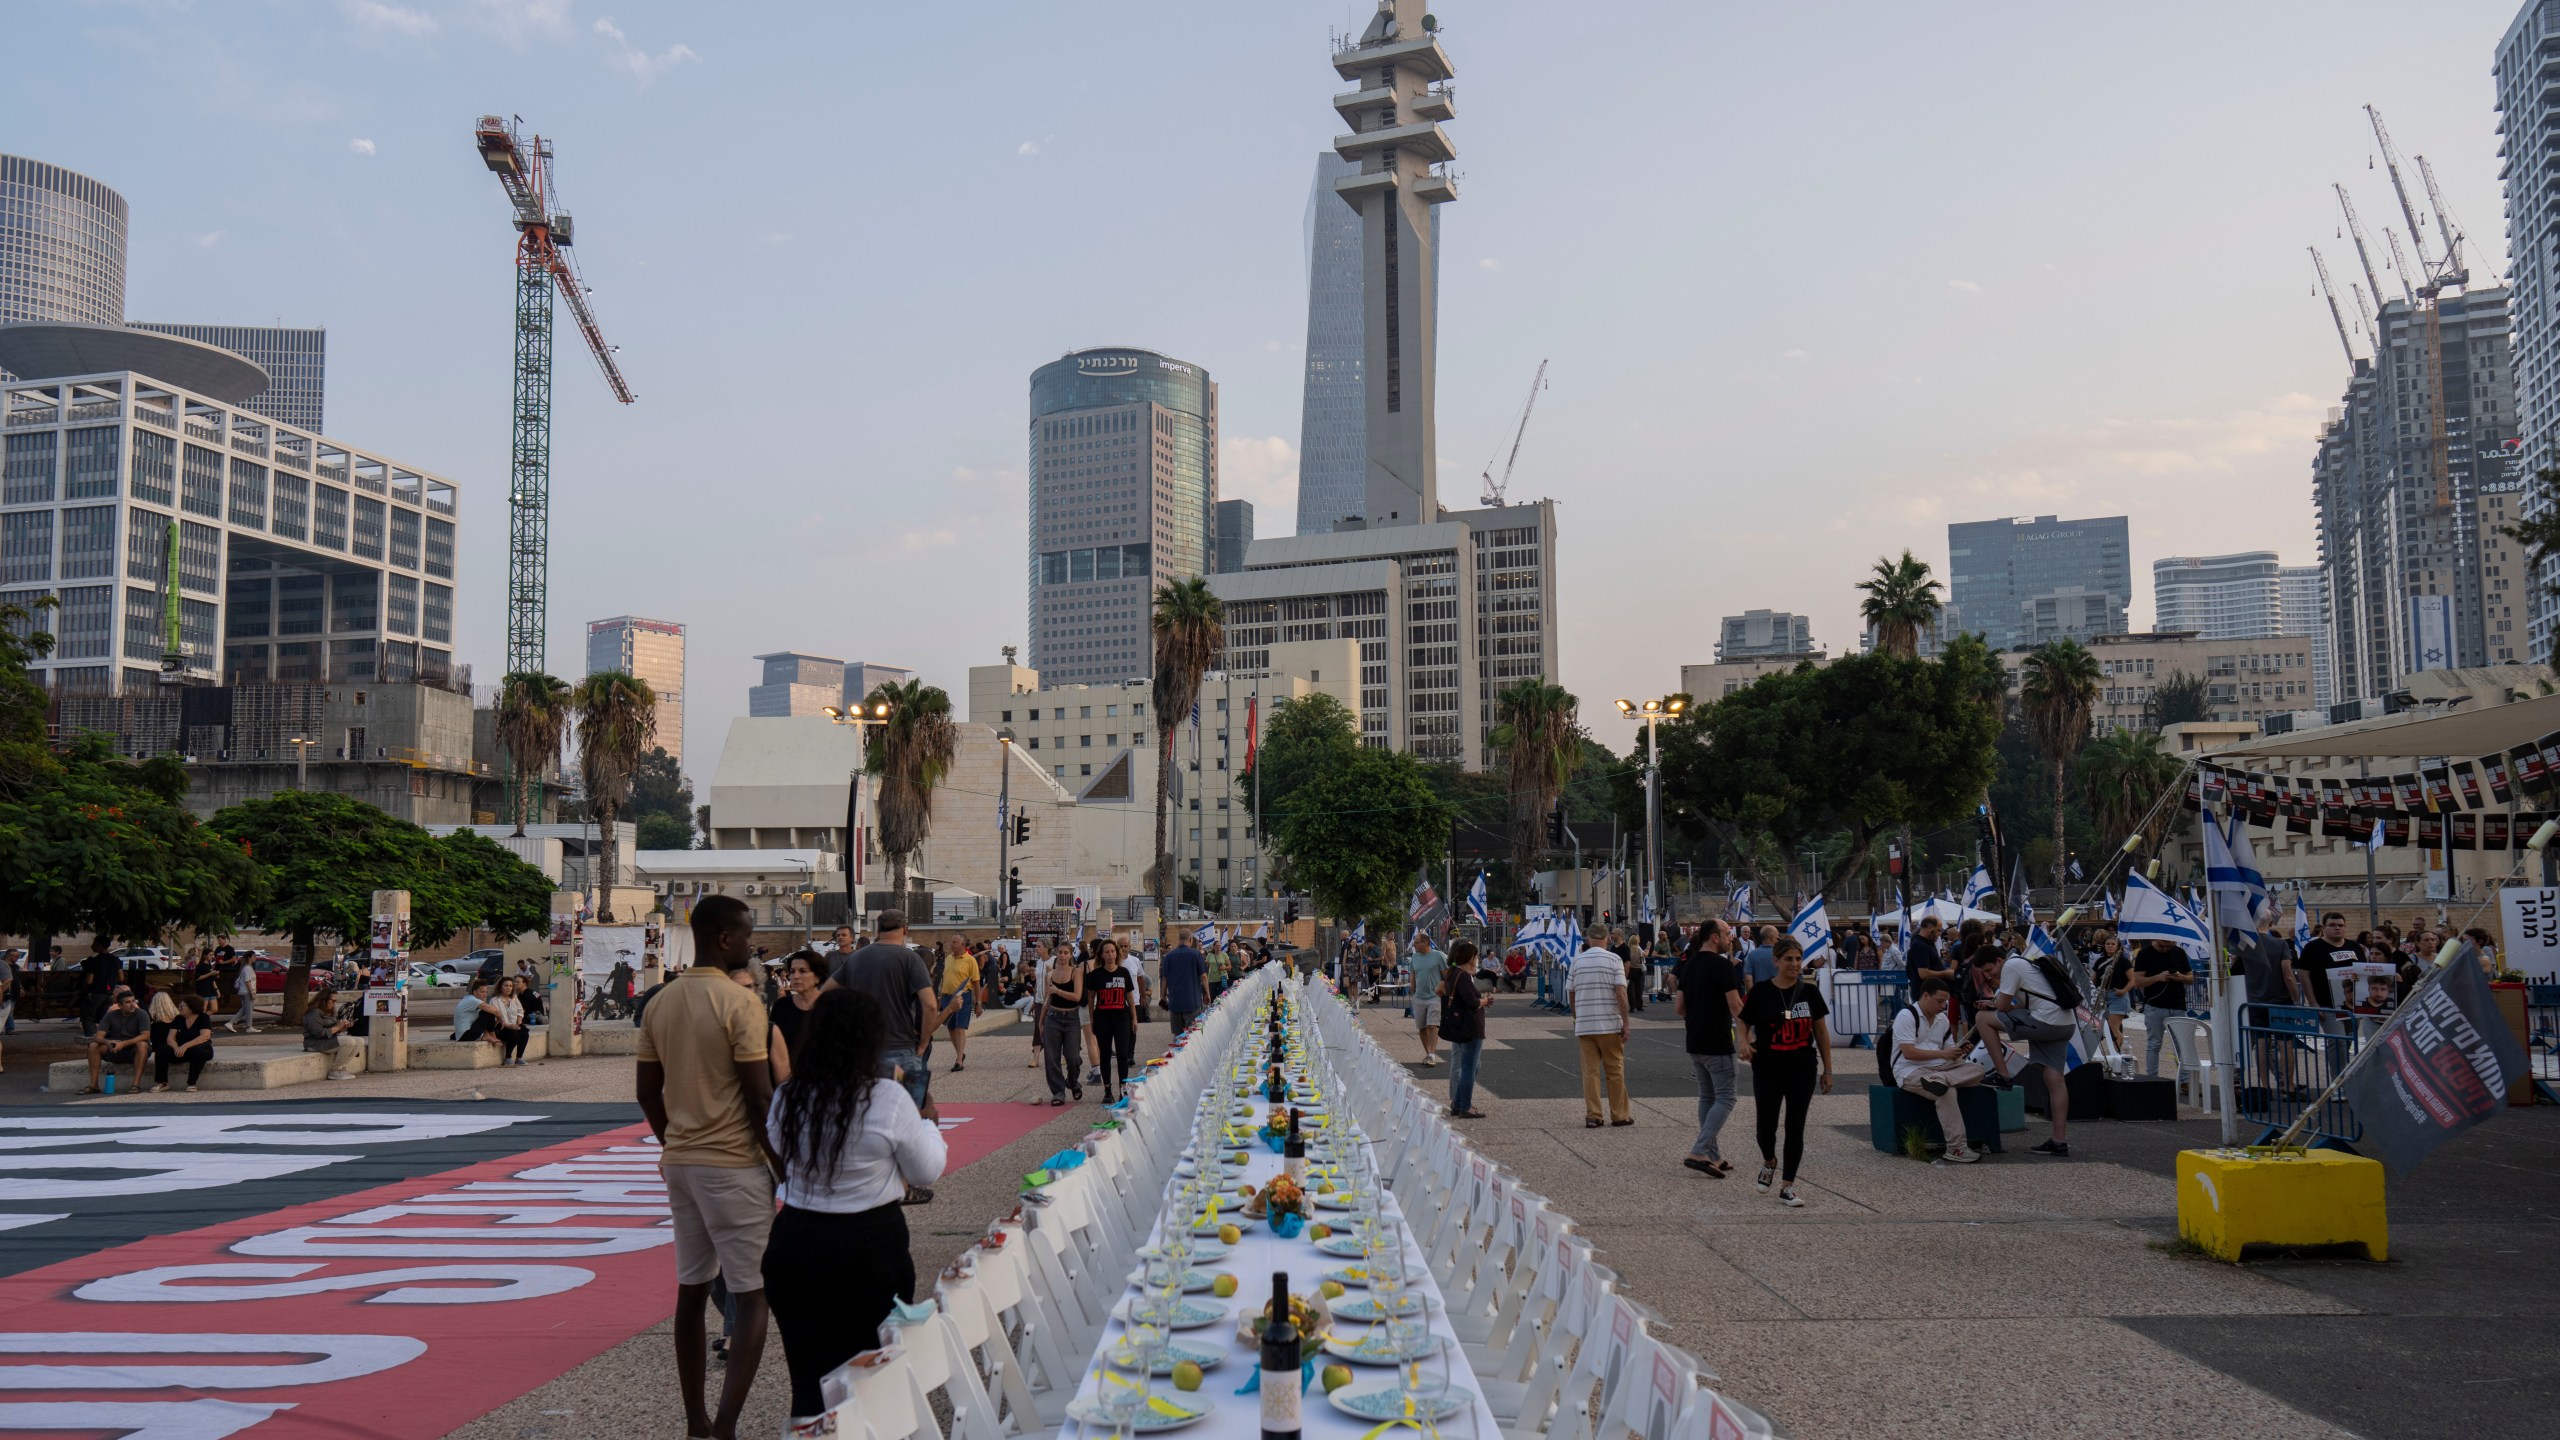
(1293, 1152)
(1280, 1360)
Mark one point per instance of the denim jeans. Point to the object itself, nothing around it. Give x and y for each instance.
(2155, 1027)
(1463, 1055)
(917, 1076)
(1716, 1097)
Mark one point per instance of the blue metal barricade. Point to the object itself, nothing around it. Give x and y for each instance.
(2289, 1055)
(1864, 1002)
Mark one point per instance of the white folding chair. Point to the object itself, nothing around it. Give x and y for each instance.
(1600, 1369)
(1046, 1368)
(1522, 1391)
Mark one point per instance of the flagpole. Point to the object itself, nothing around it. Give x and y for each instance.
(2372, 891)
(2221, 992)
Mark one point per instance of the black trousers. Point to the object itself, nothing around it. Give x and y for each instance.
(1788, 1085)
(831, 1280)
(511, 1042)
(195, 1061)
(1117, 1032)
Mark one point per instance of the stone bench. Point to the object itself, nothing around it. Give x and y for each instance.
(448, 1054)
(240, 1067)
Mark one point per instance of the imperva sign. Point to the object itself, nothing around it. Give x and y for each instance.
(1126, 365)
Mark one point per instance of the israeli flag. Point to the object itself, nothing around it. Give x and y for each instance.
(1979, 892)
(1812, 929)
(2107, 904)
(1644, 909)
(2375, 840)
(2040, 941)
(1738, 903)
(2230, 865)
(2026, 908)
(2150, 913)
(1205, 935)
(2301, 920)
(1478, 903)
(1265, 932)
(1360, 932)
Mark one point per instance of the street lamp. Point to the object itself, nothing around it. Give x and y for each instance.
(1004, 825)
(1652, 713)
(856, 715)
(301, 760)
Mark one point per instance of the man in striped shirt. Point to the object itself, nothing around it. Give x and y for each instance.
(1597, 986)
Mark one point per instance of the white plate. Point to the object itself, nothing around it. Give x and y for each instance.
(1149, 1422)
(1349, 1276)
(1337, 1243)
(1358, 1351)
(1191, 1315)
(1366, 1310)
(1386, 1401)
(1207, 1357)
(1192, 1284)
(1338, 1200)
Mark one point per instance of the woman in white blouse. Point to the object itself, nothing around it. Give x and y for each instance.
(851, 1143)
(508, 1011)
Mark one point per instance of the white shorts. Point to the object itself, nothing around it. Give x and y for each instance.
(722, 1218)
(1426, 1010)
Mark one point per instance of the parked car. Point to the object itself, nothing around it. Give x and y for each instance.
(440, 972)
(269, 970)
(488, 965)
(151, 957)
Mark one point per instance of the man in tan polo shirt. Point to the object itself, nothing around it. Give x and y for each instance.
(704, 1086)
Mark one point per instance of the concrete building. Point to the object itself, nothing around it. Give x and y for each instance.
(296, 361)
(2303, 602)
(861, 677)
(2246, 679)
(1124, 490)
(2529, 140)
(651, 651)
(1235, 535)
(2506, 587)
(2019, 577)
(2219, 597)
(796, 684)
(1448, 607)
(1757, 633)
(1333, 423)
(2397, 498)
(62, 238)
(1706, 683)
(298, 558)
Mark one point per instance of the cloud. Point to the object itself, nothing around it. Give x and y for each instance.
(211, 238)
(1488, 263)
(1027, 147)
(517, 21)
(382, 20)
(927, 539)
(637, 63)
(1796, 355)
(1262, 469)
(360, 145)
(1965, 287)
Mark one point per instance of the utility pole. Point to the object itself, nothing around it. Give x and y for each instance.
(2372, 888)
(302, 760)
(1004, 825)
(1652, 713)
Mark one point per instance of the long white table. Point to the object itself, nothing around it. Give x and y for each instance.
(1253, 1261)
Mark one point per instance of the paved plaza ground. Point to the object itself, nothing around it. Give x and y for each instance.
(2019, 1297)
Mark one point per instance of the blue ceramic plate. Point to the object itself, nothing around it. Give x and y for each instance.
(1386, 1402)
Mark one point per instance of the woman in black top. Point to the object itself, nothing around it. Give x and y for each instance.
(802, 974)
(1462, 1008)
(1113, 991)
(189, 1042)
(1785, 1018)
(1061, 1022)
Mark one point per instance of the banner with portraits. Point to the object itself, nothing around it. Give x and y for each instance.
(2461, 803)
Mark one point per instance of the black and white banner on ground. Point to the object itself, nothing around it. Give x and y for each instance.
(2441, 1066)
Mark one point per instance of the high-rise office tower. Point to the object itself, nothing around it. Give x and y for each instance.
(62, 260)
(295, 358)
(2303, 609)
(2529, 135)
(861, 677)
(651, 651)
(796, 684)
(1235, 534)
(1758, 634)
(1124, 491)
(1449, 607)
(2024, 581)
(61, 245)
(2219, 597)
(1333, 421)
(2397, 495)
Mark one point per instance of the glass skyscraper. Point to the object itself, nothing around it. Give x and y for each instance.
(1333, 422)
(296, 361)
(1124, 490)
(2021, 580)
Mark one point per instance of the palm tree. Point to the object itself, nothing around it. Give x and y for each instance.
(617, 717)
(533, 714)
(2058, 689)
(1190, 628)
(911, 752)
(2540, 535)
(1901, 603)
(2121, 775)
(1537, 730)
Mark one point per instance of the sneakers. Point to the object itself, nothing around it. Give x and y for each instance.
(1788, 1196)
(2051, 1150)
(1768, 1177)
(341, 1074)
(1959, 1155)
(1934, 1087)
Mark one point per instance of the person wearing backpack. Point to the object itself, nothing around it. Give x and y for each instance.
(2037, 1006)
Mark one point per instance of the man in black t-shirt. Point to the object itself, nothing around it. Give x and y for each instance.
(1921, 959)
(2327, 951)
(2160, 974)
(1708, 996)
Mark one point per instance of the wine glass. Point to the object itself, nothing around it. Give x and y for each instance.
(1424, 1377)
(1128, 1374)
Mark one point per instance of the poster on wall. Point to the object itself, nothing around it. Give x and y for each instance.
(2529, 931)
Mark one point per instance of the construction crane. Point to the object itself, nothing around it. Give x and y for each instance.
(2364, 316)
(1494, 489)
(2456, 273)
(2434, 279)
(2336, 316)
(2431, 277)
(2355, 229)
(523, 164)
(2400, 266)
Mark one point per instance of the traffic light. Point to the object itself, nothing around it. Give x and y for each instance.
(1289, 916)
(1555, 825)
(1013, 886)
(1022, 828)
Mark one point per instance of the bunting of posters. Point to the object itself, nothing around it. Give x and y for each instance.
(2461, 802)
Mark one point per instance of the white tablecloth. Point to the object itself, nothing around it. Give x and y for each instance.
(1252, 1262)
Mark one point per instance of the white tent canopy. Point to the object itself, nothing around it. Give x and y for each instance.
(1947, 912)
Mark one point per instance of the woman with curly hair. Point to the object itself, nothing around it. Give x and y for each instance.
(850, 1144)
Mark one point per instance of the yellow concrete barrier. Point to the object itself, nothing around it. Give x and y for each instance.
(2229, 1200)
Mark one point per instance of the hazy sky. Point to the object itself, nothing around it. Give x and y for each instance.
(1815, 279)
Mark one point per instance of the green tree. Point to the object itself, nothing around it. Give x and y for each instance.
(1870, 742)
(96, 842)
(319, 857)
(2121, 776)
(1901, 604)
(2058, 689)
(910, 752)
(1188, 627)
(2179, 699)
(23, 638)
(662, 802)
(1301, 738)
(617, 716)
(1538, 733)
(1354, 833)
(533, 715)
(2539, 534)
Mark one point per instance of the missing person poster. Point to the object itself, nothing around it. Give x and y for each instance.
(2441, 1066)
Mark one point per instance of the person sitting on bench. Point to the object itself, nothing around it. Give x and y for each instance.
(1928, 1061)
